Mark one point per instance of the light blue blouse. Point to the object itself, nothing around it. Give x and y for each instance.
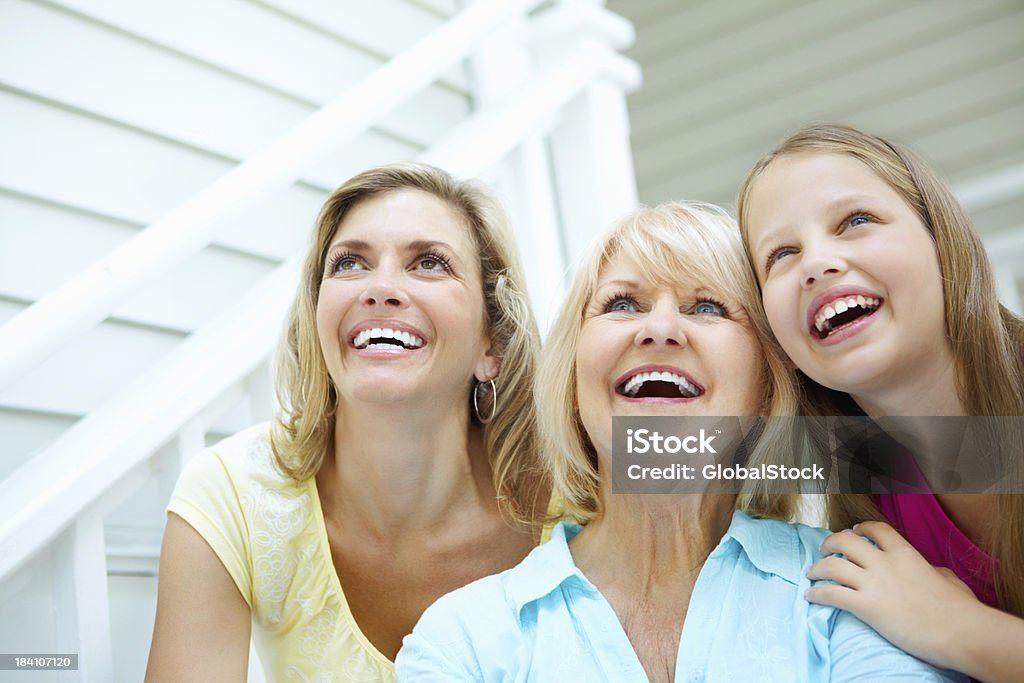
(747, 621)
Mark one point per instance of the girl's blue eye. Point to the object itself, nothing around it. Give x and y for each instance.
(857, 220)
(709, 308)
(777, 255)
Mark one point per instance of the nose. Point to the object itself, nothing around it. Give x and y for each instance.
(662, 326)
(820, 262)
(383, 290)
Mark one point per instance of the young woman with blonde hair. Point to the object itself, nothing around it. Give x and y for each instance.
(879, 289)
(403, 463)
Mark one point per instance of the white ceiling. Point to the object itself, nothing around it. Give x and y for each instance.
(724, 81)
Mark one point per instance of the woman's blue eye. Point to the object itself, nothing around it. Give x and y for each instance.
(346, 263)
(708, 308)
(621, 305)
(433, 263)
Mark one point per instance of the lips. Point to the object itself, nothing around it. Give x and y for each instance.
(839, 307)
(657, 381)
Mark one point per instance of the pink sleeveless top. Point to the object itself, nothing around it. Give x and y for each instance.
(920, 518)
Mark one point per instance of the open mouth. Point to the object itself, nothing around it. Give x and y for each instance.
(659, 385)
(842, 312)
(387, 339)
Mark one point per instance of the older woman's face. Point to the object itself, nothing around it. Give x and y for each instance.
(400, 314)
(646, 349)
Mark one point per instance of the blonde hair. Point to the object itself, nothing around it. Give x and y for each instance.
(671, 242)
(987, 339)
(302, 434)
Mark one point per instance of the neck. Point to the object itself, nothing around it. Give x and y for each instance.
(928, 393)
(395, 471)
(917, 404)
(669, 538)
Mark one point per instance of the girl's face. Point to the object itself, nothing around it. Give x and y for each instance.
(849, 274)
(647, 349)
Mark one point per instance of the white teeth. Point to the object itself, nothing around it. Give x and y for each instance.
(632, 387)
(821, 322)
(409, 341)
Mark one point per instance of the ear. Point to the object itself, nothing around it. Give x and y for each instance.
(489, 365)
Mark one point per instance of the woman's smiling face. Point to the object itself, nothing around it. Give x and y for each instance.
(400, 314)
(650, 349)
(849, 274)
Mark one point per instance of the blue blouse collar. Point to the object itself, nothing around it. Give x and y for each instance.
(771, 545)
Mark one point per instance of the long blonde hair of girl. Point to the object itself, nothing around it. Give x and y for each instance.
(986, 338)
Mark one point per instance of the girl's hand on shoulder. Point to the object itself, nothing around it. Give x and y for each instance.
(889, 585)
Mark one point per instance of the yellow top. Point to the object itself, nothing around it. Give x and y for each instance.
(268, 530)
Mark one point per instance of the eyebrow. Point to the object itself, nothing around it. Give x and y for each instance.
(618, 283)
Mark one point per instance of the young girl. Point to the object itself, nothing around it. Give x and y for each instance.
(878, 287)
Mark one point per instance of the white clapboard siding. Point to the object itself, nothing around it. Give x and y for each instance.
(59, 58)
(818, 101)
(717, 110)
(106, 169)
(685, 59)
(1002, 216)
(27, 619)
(26, 432)
(45, 244)
(360, 23)
(132, 614)
(260, 43)
(79, 376)
(953, 145)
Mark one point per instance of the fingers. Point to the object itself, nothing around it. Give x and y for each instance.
(855, 547)
(882, 535)
(832, 596)
(837, 569)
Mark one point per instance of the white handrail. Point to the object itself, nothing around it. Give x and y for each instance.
(89, 297)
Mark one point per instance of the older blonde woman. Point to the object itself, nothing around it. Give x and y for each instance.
(407, 430)
(661, 320)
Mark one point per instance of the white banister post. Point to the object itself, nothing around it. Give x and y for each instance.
(523, 179)
(592, 157)
(81, 602)
(540, 243)
(594, 164)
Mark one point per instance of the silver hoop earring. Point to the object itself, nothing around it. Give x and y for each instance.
(494, 401)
